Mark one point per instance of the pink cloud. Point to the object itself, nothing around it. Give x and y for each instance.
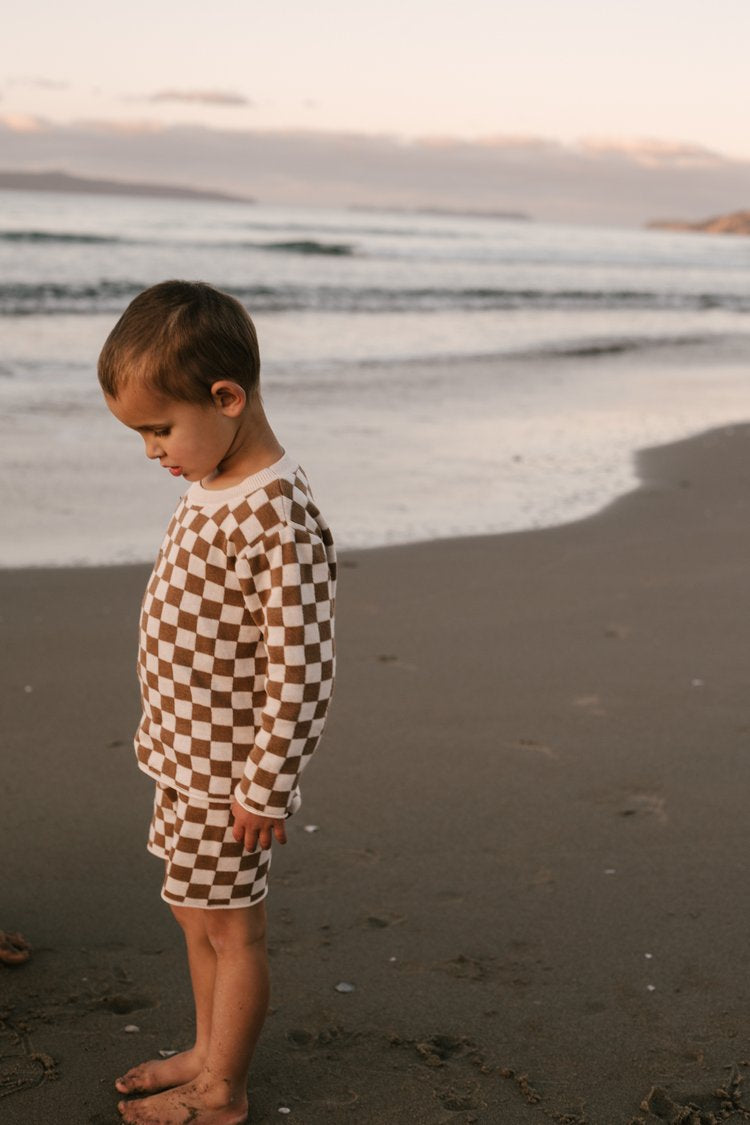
(202, 97)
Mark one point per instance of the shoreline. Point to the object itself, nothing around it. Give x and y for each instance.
(530, 802)
(625, 473)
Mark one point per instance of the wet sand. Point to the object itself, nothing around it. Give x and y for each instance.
(532, 831)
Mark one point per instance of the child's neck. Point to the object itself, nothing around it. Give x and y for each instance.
(255, 447)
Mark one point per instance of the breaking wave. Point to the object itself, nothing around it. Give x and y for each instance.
(106, 296)
(66, 237)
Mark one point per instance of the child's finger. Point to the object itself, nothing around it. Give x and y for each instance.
(251, 839)
(279, 832)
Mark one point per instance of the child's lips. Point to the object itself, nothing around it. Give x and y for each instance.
(175, 470)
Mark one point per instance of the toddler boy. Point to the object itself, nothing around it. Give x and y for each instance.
(236, 666)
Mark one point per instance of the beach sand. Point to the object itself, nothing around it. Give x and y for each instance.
(532, 830)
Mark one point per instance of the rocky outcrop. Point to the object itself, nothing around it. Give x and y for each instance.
(736, 223)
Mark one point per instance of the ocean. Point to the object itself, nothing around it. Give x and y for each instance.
(436, 375)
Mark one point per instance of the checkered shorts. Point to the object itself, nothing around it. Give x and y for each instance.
(205, 866)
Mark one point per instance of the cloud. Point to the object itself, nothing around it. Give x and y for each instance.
(653, 152)
(137, 126)
(23, 123)
(617, 181)
(202, 97)
(39, 83)
(517, 142)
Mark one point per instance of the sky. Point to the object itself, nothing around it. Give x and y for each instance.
(482, 72)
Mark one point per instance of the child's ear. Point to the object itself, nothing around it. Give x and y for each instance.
(229, 397)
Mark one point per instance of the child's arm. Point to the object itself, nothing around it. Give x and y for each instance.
(288, 579)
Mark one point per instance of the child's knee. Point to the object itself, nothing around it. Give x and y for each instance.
(234, 929)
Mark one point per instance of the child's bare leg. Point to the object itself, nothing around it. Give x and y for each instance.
(161, 1074)
(218, 1094)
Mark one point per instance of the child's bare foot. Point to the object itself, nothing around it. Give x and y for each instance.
(14, 949)
(202, 1102)
(161, 1074)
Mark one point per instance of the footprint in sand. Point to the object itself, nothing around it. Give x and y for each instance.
(305, 1039)
(465, 968)
(543, 877)
(23, 1072)
(391, 658)
(300, 1037)
(450, 1054)
(456, 1100)
(123, 1004)
(363, 855)
(616, 631)
(382, 921)
(439, 1049)
(645, 804)
(726, 1101)
(536, 747)
(345, 1100)
(590, 704)
(532, 1096)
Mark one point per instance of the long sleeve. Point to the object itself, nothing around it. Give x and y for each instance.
(288, 582)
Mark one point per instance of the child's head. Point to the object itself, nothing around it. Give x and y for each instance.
(181, 367)
(177, 339)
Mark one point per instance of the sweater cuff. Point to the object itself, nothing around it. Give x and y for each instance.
(271, 813)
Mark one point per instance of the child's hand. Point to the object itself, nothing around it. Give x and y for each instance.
(255, 830)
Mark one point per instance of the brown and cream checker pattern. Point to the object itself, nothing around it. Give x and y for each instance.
(205, 866)
(237, 656)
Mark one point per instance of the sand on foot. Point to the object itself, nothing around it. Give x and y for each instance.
(160, 1074)
(193, 1103)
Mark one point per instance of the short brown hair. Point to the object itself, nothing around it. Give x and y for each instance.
(178, 338)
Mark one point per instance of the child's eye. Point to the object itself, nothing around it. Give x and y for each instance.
(161, 433)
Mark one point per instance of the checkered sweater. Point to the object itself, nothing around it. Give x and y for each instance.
(236, 658)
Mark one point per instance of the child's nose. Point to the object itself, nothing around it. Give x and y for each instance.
(153, 449)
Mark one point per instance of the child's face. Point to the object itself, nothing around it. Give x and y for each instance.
(187, 438)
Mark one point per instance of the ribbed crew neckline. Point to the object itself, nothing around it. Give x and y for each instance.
(197, 494)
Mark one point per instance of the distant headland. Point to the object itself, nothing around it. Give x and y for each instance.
(62, 181)
(450, 212)
(738, 222)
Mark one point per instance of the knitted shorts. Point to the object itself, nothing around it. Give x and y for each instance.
(205, 866)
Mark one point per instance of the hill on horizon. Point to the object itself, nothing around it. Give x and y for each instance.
(55, 180)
